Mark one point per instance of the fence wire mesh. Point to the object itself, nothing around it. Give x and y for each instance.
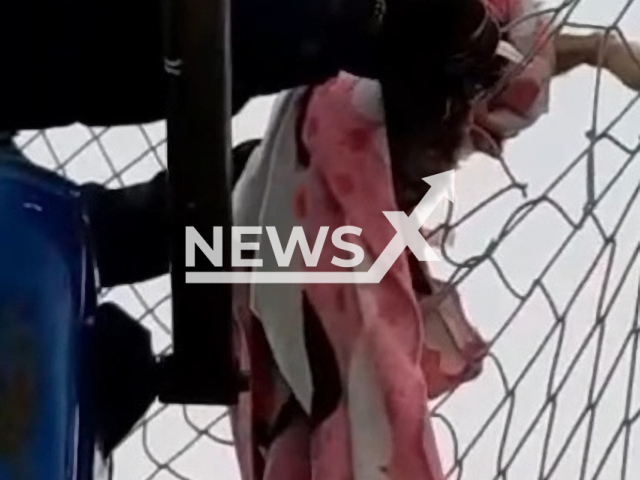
(545, 258)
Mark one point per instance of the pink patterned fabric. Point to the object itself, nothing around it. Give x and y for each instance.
(525, 97)
(394, 346)
(348, 401)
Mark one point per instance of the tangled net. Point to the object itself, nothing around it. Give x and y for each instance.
(547, 267)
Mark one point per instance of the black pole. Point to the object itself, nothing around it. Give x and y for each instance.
(202, 368)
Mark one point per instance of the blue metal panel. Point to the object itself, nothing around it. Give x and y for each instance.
(46, 292)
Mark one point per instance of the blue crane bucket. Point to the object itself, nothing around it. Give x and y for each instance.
(47, 294)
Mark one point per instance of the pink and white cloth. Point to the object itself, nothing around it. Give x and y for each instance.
(525, 96)
(341, 374)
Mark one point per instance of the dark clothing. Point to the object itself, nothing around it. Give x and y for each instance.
(130, 226)
(100, 62)
(94, 61)
(130, 231)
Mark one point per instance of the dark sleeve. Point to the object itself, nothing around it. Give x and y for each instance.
(130, 226)
(129, 230)
(280, 44)
(97, 62)
(100, 62)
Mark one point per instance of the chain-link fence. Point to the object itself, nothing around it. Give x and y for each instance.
(546, 261)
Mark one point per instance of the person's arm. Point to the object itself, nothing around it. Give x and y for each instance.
(610, 51)
(130, 231)
(574, 51)
(130, 226)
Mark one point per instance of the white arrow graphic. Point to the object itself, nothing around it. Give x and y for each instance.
(442, 186)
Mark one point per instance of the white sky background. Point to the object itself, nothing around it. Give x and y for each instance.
(536, 158)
